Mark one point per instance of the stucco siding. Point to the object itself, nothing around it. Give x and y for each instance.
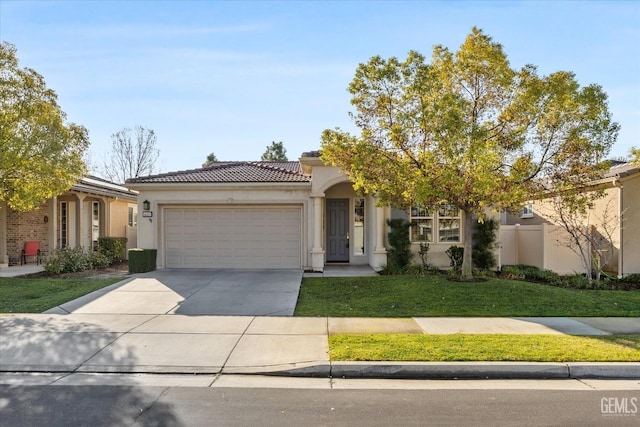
(631, 225)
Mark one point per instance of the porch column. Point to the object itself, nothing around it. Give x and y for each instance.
(317, 251)
(53, 225)
(82, 230)
(379, 252)
(4, 259)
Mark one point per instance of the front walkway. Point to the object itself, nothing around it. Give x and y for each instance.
(21, 270)
(346, 270)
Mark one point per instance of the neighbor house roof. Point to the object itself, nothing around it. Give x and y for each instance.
(622, 170)
(101, 187)
(232, 172)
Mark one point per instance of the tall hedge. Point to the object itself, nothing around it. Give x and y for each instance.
(114, 248)
(399, 254)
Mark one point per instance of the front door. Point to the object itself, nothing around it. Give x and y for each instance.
(337, 230)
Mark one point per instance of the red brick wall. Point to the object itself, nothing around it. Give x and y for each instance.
(26, 226)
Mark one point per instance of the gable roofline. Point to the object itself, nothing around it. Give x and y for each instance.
(621, 170)
(241, 172)
(94, 185)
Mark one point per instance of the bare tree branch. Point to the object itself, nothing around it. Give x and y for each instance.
(131, 158)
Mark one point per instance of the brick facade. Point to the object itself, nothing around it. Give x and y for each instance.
(26, 226)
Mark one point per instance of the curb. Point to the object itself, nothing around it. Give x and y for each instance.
(456, 370)
(385, 370)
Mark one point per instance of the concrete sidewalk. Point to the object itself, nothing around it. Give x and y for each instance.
(290, 346)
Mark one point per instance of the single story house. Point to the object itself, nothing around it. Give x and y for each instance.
(534, 236)
(90, 209)
(274, 214)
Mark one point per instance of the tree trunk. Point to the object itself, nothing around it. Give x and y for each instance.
(467, 261)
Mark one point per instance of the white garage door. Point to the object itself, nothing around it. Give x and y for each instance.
(238, 237)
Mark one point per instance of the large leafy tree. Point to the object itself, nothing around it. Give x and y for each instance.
(40, 153)
(211, 158)
(275, 151)
(634, 154)
(469, 130)
(133, 154)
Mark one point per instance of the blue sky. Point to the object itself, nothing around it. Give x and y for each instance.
(230, 77)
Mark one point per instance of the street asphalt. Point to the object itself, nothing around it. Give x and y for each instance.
(213, 322)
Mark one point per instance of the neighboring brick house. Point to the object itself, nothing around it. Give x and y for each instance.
(92, 208)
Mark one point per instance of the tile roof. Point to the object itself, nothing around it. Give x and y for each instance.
(311, 153)
(229, 172)
(622, 169)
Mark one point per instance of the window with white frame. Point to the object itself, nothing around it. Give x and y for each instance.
(527, 210)
(431, 225)
(421, 219)
(358, 226)
(448, 223)
(64, 225)
(95, 224)
(133, 217)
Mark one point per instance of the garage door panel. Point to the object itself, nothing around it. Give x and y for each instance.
(239, 237)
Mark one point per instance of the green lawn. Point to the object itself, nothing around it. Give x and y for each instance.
(494, 347)
(434, 295)
(20, 295)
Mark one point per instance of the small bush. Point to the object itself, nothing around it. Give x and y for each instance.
(575, 281)
(485, 243)
(434, 269)
(142, 260)
(424, 253)
(399, 254)
(67, 260)
(386, 270)
(632, 278)
(113, 248)
(455, 255)
(512, 272)
(97, 260)
(529, 272)
(414, 270)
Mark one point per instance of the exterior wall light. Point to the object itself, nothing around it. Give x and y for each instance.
(146, 205)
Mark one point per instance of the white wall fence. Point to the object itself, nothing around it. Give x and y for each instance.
(131, 233)
(538, 245)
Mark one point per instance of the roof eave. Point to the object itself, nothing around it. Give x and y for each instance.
(145, 186)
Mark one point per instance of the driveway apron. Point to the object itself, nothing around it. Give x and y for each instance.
(198, 292)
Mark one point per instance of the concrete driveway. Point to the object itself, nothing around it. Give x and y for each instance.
(196, 292)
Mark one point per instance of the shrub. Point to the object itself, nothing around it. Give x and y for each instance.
(485, 242)
(424, 252)
(113, 248)
(576, 281)
(632, 278)
(434, 269)
(67, 260)
(414, 270)
(399, 254)
(386, 270)
(512, 272)
(530, 272)
(142, 260)
(455, 255)
(97, 260)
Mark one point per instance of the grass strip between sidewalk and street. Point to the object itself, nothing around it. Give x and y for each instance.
(434, 295)
(22, 295)
(484, 347)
